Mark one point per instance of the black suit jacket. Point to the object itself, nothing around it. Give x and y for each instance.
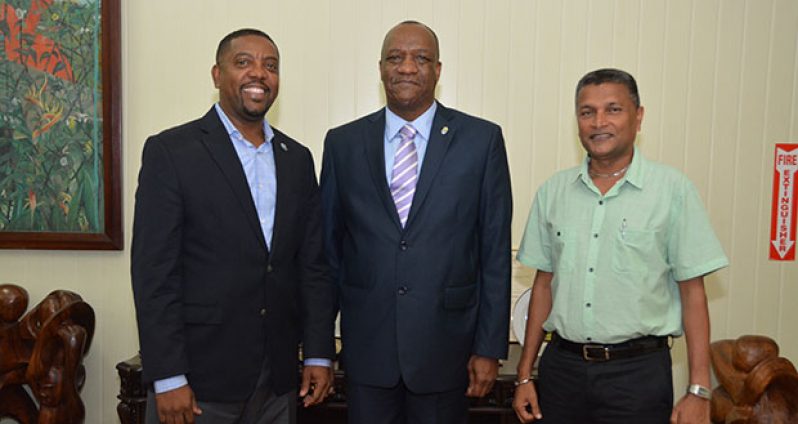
(417, 302)
(211, 300)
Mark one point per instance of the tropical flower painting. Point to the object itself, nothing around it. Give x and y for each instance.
(51, 165)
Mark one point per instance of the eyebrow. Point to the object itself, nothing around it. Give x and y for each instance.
(248, 54)
(611, 103)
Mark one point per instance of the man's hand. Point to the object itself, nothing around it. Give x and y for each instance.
(177, 406)
(525, 403)
(691, 410)
(316, 384)
(482, 374)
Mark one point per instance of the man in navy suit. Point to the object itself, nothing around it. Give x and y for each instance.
(228, 268)
(417, 208)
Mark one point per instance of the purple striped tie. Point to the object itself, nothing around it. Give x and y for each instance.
(404, 174)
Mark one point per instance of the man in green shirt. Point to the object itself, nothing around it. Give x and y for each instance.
(621, 246)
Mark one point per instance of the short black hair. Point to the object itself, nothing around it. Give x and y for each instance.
(225, 43)
(605, 75)
(412, 22)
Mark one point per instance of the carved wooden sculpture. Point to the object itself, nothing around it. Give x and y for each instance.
(756, 385)
(43, 350)
(15, 351)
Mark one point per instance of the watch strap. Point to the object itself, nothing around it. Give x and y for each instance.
(700, 391)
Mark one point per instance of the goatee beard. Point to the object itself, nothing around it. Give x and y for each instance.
(255, 114)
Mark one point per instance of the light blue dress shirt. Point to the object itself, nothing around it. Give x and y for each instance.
(259, 168)
(393, 123)
(258, 164)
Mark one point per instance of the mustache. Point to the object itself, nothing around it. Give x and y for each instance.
(256, 84)
(404, 81)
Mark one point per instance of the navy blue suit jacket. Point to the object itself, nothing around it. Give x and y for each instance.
(211, 300)
(417, 302)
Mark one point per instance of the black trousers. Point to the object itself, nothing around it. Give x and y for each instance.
(398, 405)
(630, 390)
(262, 407)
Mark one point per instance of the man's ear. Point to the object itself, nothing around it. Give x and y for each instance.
(640, 112)
(215, 75)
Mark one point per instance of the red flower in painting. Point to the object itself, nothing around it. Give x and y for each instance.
(55, 63)
(31, 201)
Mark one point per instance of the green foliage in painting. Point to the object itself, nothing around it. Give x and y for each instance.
(51, 172)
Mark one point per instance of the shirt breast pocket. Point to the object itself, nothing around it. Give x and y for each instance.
(635, 251)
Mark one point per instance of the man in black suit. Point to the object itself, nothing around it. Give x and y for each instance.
(417, 209)
(228, 270)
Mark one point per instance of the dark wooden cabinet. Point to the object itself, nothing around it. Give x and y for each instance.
(496, 408)
(132, 393)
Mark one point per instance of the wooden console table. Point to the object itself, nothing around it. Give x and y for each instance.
(495, 408)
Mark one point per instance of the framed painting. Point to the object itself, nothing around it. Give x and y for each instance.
(60, 125)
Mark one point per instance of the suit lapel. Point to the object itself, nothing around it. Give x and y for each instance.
(217, 141)
(375, 156)
(282, 163)
(439, 140)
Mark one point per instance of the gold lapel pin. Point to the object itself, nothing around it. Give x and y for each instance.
(444, 130)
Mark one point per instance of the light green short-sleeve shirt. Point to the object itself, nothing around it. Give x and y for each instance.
(617, 258)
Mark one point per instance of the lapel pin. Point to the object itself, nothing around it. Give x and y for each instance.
(444, 130)
(284, 147)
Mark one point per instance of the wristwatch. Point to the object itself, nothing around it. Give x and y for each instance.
(700, 391)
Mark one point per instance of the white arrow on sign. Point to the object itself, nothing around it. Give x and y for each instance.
(782, 241)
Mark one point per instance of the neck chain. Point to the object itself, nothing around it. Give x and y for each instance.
(608, 175)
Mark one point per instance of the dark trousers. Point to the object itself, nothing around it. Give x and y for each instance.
(398, 405)
(262, 407)
(630, 390)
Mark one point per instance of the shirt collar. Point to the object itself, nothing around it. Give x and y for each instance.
(234, 133)
(634, 175)
(422, 124)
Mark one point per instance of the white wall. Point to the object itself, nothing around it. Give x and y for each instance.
(718, 79)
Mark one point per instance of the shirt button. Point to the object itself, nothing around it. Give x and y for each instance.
(589, 339)
(590, 269)
(263, 312)
(402, 291)
(403, 245)
(595, 235)
(601, 202)
(587, 304)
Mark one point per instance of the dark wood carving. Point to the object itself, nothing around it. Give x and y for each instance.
(756, 385)
(132, 394)
(43, 350)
